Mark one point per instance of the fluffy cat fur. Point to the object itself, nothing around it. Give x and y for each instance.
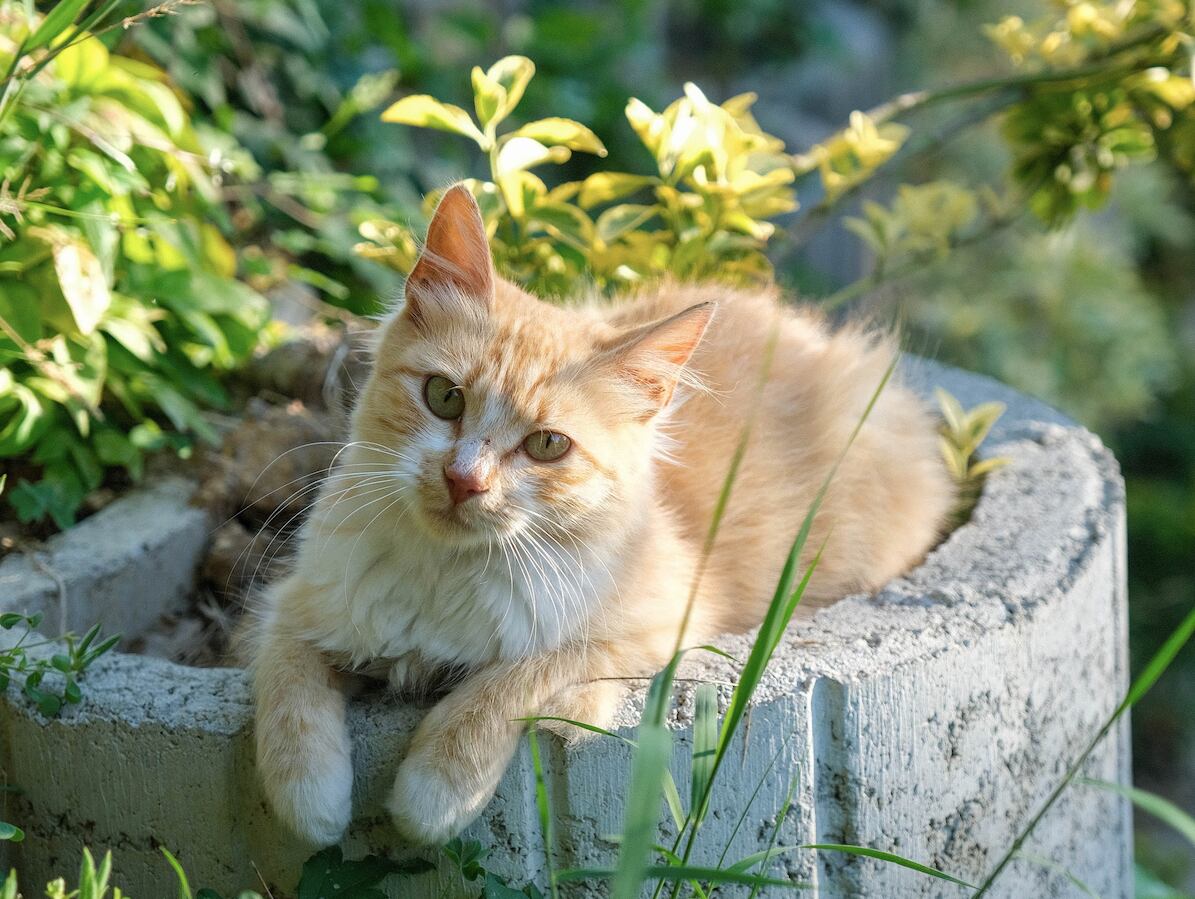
(551, 576)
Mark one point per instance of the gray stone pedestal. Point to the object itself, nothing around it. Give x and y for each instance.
(930, 720)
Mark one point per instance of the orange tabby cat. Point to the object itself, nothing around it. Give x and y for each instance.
(524, 500)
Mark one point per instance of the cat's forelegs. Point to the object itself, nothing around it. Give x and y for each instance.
(461, 749)
(304, 756)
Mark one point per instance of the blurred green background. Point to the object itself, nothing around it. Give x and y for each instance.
(1097, 318)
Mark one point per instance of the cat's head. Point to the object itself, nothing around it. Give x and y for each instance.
(499, 413)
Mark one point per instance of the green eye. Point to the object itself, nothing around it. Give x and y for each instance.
(443, 397)
(546, 446)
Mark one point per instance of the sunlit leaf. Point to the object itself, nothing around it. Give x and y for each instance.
(563, 132)
(423, 111)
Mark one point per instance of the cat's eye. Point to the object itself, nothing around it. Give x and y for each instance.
(546, 446)
(444, 398)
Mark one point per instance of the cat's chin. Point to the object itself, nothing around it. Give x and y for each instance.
(451, 527)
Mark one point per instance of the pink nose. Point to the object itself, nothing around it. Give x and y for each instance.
(463, 484)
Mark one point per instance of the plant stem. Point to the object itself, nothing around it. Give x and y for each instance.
(1097, 65)
(915, 263)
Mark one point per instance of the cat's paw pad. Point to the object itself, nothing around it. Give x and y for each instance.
(317, 805)
(429, 808)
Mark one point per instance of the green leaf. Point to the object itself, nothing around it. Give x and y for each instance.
(83, 283)
(747, 862)
(556, 131)
(467, 856)
(488, 98)
(618, 220)
(424, 111)
(328, 875)
(57, 20)
(705, 743)
(1162, 809)
(520, 153)
(889, 857)
(543, 806)
(643, 793)
(605, 187)
(81, 64)
(184, 888)
(512, 73)
(11, 832)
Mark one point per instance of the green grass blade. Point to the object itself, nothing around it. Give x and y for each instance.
(643, 807)
(889, 857)
(1147, 678)
(592, 728)
(682, 873)
(1043, 862)
(1162, 809)
(544, 807)
(751, 802)
(705, 742)
(671, 793)
(57, 20)
(785, 599)
(184, 888)
(788, 801)
(764, 855)
(672, 796)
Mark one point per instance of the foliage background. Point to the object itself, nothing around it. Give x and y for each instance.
(1097, 317)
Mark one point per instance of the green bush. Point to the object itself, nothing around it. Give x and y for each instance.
(119, 306)
(703, 212)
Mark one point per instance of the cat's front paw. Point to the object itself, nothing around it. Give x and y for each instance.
(429, 806)
(312, 795)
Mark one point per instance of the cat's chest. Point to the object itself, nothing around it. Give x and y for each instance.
(384, 600)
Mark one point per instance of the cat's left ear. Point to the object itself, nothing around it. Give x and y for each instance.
(650, 359)
(455, 262)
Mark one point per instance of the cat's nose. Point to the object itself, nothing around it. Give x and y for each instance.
(463, 483)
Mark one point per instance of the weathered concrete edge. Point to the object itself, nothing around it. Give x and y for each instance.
(223, 706)
(147, 544)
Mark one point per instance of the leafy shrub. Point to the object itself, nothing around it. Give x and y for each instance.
(704, 213)
(270, 84)
(119, 305)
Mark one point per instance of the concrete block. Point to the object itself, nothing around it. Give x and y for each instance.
(122, 567)
(931, 720)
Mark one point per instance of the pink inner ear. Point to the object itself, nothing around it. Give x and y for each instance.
(651, 358)
(457, 253)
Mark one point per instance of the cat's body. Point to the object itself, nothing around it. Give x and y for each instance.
(441, 544)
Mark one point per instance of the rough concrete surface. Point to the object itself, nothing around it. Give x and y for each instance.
(930, 720)
(123, 566)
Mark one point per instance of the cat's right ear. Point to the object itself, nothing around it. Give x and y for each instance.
(650, 360)
(455, 269)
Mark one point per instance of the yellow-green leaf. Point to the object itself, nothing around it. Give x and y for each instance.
(519, 153)
(605, 187)
(424, 111)
(618, 220)
(489, 97)
(81, 64)
(651, 127)
(512, 73)
(563, 132)
(218, 252)
(81, 278)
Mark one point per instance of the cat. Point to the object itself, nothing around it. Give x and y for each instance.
(524, 499)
